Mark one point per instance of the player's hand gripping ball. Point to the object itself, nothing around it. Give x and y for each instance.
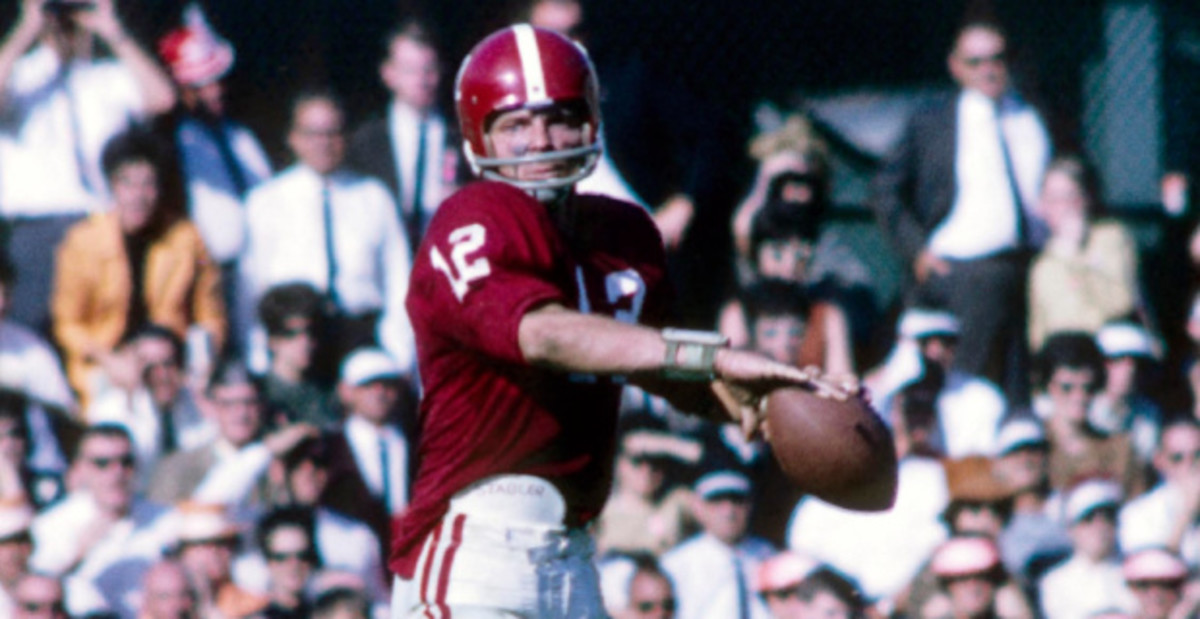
(838, 450)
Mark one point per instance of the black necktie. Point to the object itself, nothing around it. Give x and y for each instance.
(415, 220)
(1023, 237)
(330, 258)
(743, 592)
(217, 133)
(386, 495)
(167, 443)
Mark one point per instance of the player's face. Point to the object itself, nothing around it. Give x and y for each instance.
(1023, 469)
(210, 560)
(295, 344)
(163, 376)
(785, 259)
(979, 62)
(169, 595)
(1156, 598)
(1062, 199)
(375, 400)
(208, 99)
(135, 194)
(107, 470)
(290, 559)
(39, 597)
(1095, 534)
(14, 555)
(307, 482)
(725, 517)
(1178, 455)
(524, 132)
(411, 73)
(317, 137)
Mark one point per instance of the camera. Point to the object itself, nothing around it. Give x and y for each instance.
(61, 7)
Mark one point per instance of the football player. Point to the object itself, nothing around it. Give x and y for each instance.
(528, 302)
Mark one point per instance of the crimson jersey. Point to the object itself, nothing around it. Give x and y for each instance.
(491, 254)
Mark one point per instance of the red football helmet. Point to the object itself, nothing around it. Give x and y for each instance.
(525, 67)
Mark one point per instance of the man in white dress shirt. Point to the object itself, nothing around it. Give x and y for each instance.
(411, 149)
(713, 572)
(59, 104)
(320, 223)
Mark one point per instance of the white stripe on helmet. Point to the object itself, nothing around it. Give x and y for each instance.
(531, 65)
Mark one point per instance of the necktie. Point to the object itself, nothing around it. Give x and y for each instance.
(217, 133)
(1023, 236)
(386, 495)
(743, 593)
(330, 257)
(415, 220)
(166, 425)
(76, 133)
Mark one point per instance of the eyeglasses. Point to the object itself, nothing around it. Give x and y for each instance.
(975, 62)
(1143, 585)
(649, 606)
(55, 606)
(781, 594)
(1179, 456)
(976, 577)
(291, 332)
(643, 460)
(1107, 514)
(307, 556)
(126, 461)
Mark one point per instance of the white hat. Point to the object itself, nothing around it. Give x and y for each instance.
(784, 571)
(1089, 496)
(1018, 433)
(365, 365)
(722, 482)
(194, 53)
(920, 323)
(1154, 564)
(16, 516)
(1126, 339)
(960, 556)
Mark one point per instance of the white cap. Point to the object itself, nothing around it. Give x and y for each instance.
(1126, 339)
(1090, 496)
(369, 364)
(960, 556)
(1154, 564)
(784, 571)
(722, 482)
(1018, 433)
(920, 323)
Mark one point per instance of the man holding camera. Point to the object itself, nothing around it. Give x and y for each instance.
(59, 105)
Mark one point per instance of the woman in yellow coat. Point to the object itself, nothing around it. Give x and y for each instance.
(141, 262)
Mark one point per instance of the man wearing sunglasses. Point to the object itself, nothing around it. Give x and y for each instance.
(1166, 516)
(955, 198)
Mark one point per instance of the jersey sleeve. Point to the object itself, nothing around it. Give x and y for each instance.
(490, 255)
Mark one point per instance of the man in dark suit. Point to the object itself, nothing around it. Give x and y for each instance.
(956, 198)
(410, 148)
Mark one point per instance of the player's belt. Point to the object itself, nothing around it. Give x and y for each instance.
(512, 500)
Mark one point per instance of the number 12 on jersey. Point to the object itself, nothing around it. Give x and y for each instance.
(460, 270)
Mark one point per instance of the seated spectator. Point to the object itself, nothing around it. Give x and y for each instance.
(713, 571)
(292, 316)
(1070, 372)
(168, 593)
(206, 543)
(28, 364)
(646, 513)
(884, 551)
(157, 408)
(969, 407)
(1166, 516)
(796, 587)
(1034, 537)
(236, 409)
(140, 262)
(969, 575)
(1090, 581)
(1125, 406)
(782, 248)
(1086, 274)
(38, 596)
(285, 538)
(38, 486)
(1156, 578)
(16, 545)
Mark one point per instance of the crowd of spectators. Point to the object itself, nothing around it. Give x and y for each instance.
(209, 399)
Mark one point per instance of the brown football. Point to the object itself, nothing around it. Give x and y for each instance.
(837, 450)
